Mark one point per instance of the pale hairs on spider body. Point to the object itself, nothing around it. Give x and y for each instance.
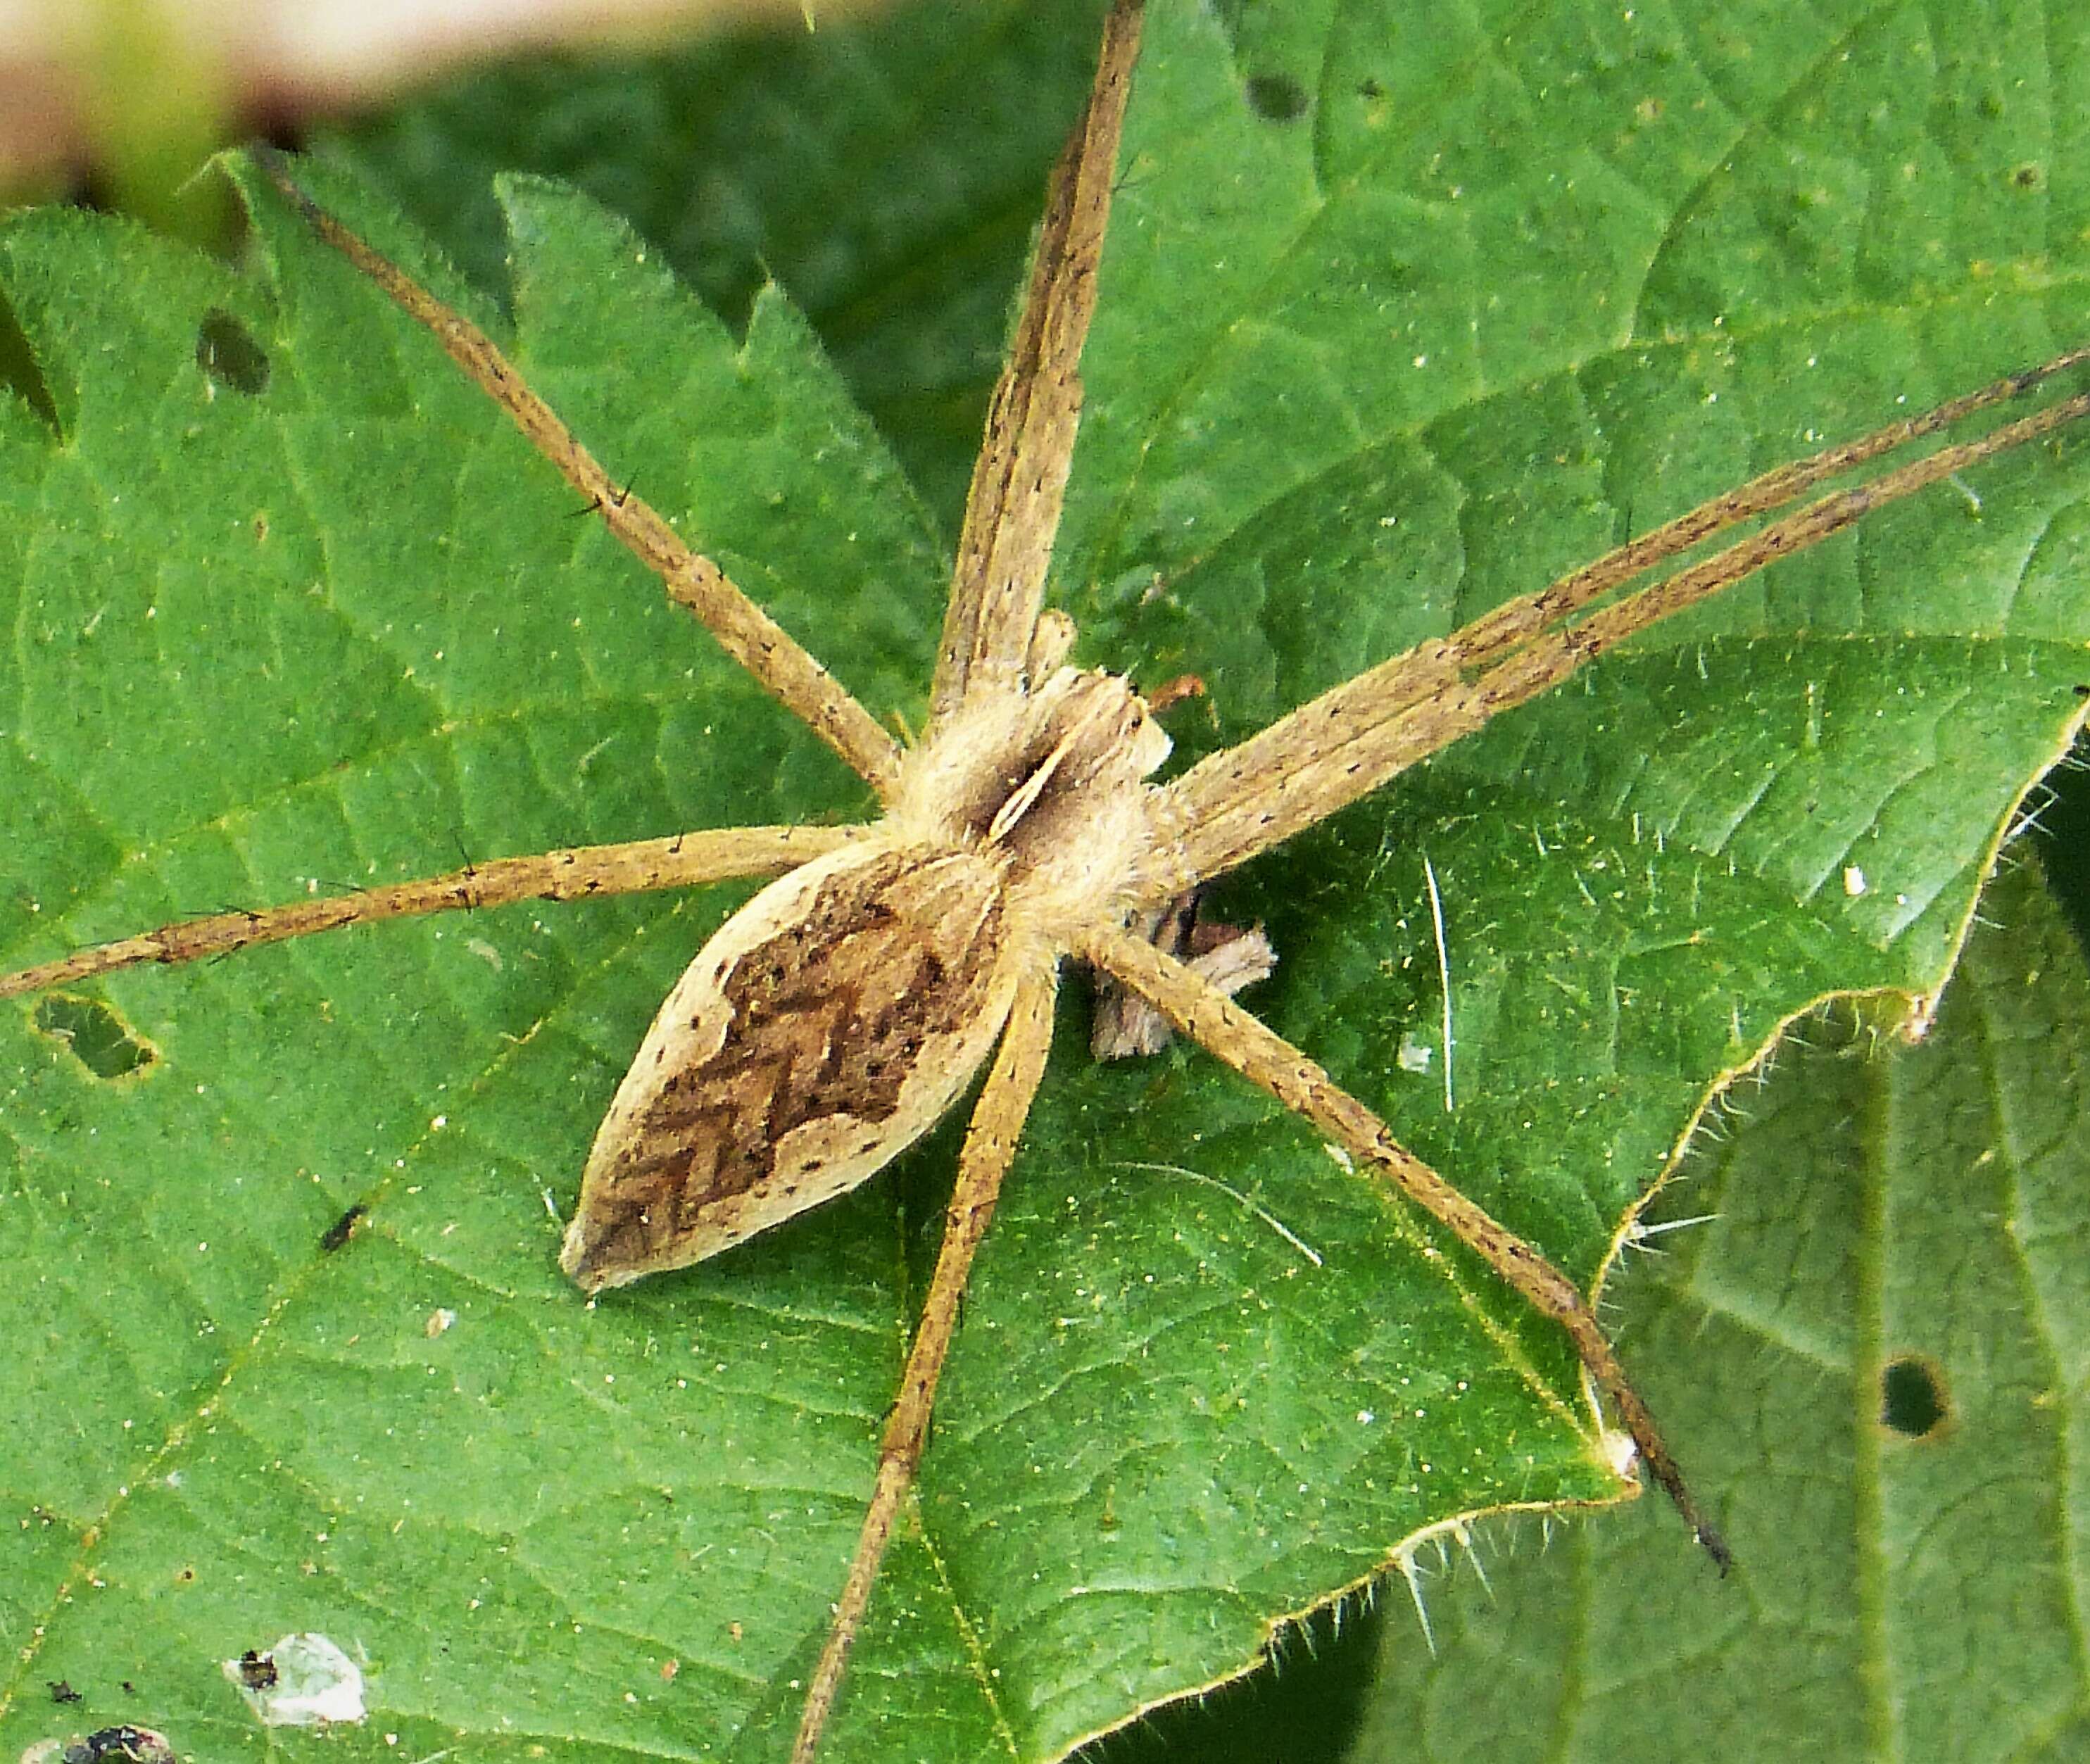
(889, 961)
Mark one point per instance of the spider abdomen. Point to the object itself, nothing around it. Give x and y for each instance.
(824, 1028)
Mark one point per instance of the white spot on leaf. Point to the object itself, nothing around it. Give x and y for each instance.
(309, 1683)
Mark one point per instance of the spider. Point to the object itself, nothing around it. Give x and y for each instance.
(851, 1003)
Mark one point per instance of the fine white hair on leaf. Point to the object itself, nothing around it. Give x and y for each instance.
(1263, 1213)
(1404, 1561)
(1464, 1534)
(1443, 967)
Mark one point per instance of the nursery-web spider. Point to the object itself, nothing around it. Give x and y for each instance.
(839, 1013)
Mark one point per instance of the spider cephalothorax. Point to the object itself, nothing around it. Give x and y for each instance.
(1050, 785)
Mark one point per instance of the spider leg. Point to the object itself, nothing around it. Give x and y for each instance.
(580, 872)
(1013, 509)
(1205, 1014)
(990, 1146)
(1351, 740)
(1525, 616)
(782, 666)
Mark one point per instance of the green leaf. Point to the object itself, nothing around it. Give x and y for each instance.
(1877, 1345)
(1394, 325)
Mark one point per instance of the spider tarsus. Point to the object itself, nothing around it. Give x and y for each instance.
(1716, 1546)
(273, 160)
(1669, 1480)
(1662, 1465)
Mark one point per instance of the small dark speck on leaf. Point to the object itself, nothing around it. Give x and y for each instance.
(338, 1233)
(1276, 97)
(257, 1671)
(226, 350)
(62, 1691)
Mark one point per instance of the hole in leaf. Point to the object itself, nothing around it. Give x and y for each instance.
(1276, 97)
(94, 1034)
(226, 349)
(1912, 1398)
(304, 1681)
(18, 372)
